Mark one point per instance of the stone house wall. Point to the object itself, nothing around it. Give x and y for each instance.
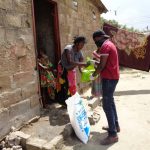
(19, 100)
(82, 19)
(19, 96)
(78, 20)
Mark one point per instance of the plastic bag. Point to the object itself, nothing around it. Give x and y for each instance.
(87, 72)
(78, 117)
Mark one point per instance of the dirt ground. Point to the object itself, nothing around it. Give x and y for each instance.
(133, 106)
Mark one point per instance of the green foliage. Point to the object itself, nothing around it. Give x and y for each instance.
(116, 24)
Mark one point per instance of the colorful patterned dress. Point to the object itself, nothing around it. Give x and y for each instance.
(47, 79)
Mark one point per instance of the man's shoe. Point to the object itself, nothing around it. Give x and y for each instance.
(109, 140)
(106, 128)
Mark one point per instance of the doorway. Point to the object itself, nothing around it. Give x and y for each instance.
(46, 36)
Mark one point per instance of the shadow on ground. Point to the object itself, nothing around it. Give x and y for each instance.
(50, 124)
(57, 114)
(93, 143)
(132, 92)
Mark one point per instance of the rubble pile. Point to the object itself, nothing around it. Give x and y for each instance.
(11, 142)
(15, 140)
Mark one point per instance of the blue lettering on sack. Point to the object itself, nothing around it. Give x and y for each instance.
(82, 120)
(87, 130)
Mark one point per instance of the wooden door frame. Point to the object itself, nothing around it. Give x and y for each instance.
(56, 30)
(56, 39)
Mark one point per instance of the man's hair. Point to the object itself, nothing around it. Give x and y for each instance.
(79, 39)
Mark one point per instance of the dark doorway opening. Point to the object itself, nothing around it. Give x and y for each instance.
(46, 33)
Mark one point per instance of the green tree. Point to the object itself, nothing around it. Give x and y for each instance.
(116, 24)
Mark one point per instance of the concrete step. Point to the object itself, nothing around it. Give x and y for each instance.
(40, 144)
(55, 144)
(35, 143)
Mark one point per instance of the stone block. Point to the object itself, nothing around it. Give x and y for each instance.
(35, 144)
(11, 36)
(35, 111)
(7, 119)
(20, 48)
(2, 35)
(93, 103)
(94, 117)
(27, 35)
(27, 63)
(20, 51)
(22, 78)
(26, 21)
(8, 61)
(22, 118)
(24, 137)
(4, 116)
(9, 98)
(19, 108)
(1, 105)
(29, 90)
(6, 4)
(4, 122)
(5, 82)
(20, 6)
(13, 20)
(12, 140)
(4, 130)
(56, 143)
(18, 147)
(34, 101)
(2, 16)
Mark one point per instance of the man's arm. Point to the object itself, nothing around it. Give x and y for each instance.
(101, 65)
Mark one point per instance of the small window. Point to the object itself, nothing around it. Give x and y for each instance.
(75, 4)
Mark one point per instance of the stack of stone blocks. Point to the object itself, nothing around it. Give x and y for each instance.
(19, 99)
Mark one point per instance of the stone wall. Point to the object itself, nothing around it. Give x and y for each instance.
(19, 100)
(81, 18)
